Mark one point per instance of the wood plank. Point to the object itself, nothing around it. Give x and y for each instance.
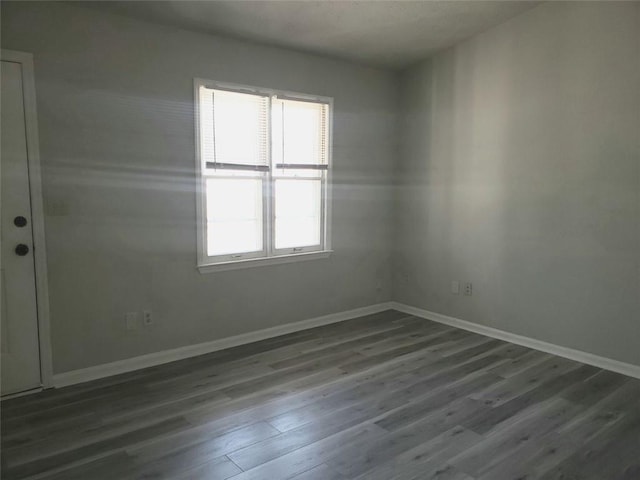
(485, 422)
(427, 460)
(25, 467)
(170, 455)
(527, 380)
(321, 472)
(218, 469)
(511, 439)
(310, 456)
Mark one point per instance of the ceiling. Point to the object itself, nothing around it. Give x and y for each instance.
(389, 34)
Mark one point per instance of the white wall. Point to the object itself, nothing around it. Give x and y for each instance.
(115, 101)
(520, 172)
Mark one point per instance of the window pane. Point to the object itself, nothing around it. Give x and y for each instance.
(240, 126)
(299, 132)
(298, 213)
(234, 215)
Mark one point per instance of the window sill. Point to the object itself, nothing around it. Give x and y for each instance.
(263, 262)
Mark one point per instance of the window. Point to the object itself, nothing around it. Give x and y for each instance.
(263, 175)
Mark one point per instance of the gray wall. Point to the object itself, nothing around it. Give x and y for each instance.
(520, 172)
(115, 101)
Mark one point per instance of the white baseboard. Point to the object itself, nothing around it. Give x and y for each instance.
(11, 396)
(136, 363)
(577, 355)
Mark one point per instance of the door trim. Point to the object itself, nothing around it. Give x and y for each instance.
(37, 211)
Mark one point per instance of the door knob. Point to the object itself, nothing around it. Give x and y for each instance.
(19, 221)
(21, 249)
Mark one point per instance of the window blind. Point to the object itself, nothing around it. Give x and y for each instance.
(300, 134)
(235, 130)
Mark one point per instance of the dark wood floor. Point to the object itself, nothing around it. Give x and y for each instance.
(382, 397)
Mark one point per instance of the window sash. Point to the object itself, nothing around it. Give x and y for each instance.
(302, 166)
(236, 166)
(322, 227)
(205, 258)
(265, 168)
(269, 220)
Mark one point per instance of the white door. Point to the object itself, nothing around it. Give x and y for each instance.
(19, 313)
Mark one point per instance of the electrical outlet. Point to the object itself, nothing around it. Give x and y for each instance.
(131, 320)
(147, 318)
(455, 287)
(468, 288)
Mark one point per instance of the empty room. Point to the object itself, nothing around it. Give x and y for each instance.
(320, 240)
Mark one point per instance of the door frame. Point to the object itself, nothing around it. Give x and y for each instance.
(37, 211)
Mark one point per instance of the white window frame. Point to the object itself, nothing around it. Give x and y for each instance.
(269, 254)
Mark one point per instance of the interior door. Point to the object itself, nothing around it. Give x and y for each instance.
(19, 313)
